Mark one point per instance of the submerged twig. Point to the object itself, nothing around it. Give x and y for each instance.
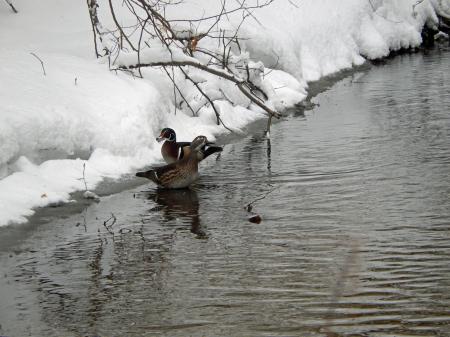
(249, 206)
(109, 226)
(269, 124)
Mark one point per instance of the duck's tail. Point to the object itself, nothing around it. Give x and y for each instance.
(151, 174)
(210, 150)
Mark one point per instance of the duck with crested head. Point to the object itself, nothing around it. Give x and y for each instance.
(173, 151)
(181, 173)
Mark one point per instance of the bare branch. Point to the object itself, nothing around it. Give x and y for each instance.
(109, 226)
(238, 82)
(122, 34)
(219, 120)
(92, 7)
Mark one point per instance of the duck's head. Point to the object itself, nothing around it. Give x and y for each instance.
(198, 143)
(167, 134)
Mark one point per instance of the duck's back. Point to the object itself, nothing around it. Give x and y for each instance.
(178, 175)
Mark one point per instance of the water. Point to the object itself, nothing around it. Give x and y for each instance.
(354, 241)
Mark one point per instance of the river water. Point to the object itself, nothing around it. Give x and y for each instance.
(354, 239)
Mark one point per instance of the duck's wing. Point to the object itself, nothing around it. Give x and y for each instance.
(183, 144)
(184, 149)
(177, 174)
(155, 174)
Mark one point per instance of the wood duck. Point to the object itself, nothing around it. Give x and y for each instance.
(173, 151)
(179, 174)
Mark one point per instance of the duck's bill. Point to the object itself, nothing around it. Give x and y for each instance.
(160, 139)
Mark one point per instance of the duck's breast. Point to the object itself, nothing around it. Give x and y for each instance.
(170, 152)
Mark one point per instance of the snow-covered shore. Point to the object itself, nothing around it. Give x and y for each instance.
(80, 109)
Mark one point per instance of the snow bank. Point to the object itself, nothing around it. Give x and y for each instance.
(79, 109)
(312, 39)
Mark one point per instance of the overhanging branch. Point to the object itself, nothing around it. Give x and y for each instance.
(239, 82)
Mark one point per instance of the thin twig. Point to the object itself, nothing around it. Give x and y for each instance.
(12, 6)
(84, 177)
(174, 92)
(293, 4)
(179, 91)
(226, 13)
(42, 63)
(219, 120)
(119, 27)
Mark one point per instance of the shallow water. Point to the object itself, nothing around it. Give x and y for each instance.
(355, 237)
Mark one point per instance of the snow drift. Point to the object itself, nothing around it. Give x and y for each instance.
(79, 113)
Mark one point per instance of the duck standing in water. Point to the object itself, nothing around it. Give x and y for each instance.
(173, 151)
(181, 173)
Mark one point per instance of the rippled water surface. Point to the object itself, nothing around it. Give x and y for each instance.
(354, 241)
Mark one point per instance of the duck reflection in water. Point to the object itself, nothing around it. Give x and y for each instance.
(178, 204)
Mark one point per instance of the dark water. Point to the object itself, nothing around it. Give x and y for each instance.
(355, 237)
